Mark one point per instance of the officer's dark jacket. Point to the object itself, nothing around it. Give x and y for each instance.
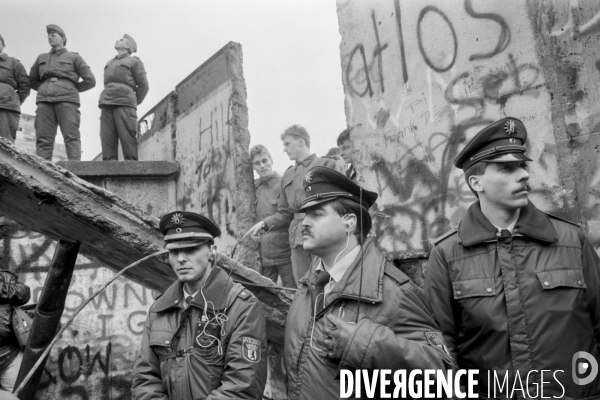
(159, 373)
(56, 75)
(526, 304)
(125, 82)
(12, 293)
(14, 83)
(390, 334)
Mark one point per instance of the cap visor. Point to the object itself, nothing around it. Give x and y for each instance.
(182, 244)
(313, 203)
(510, 157)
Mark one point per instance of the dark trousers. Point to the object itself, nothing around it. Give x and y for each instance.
(9, 123)
(48, 117)
(284, 271)
(118, 124)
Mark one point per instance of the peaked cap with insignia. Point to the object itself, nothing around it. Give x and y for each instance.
(187, 229)
(502, 141)
(323, 184)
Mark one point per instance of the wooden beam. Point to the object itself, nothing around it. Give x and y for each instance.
(51, 200)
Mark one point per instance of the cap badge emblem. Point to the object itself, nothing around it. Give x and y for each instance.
(308, 188)
(308, 178)
(177, 219)
(510, 127)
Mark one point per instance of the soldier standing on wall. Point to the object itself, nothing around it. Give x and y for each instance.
(514, 289)
(125, 87)
(55, 76)
(14, 89)
(296, 143)
(205, 337)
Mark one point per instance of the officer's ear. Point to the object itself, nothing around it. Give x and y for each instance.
(475, 183)
(350, 221)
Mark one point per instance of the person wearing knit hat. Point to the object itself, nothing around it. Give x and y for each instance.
(14, 89)
(59, 76)
(125, 86)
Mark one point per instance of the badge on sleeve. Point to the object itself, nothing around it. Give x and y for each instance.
(436, 339)
(251, 349)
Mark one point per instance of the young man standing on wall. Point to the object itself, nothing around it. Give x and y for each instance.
(296, 144)
(513, 289)
(56, 77)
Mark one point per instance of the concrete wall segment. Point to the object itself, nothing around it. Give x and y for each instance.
(420, 79)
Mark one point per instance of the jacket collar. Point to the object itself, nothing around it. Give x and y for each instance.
(475, 227)
(216, 290)
(349, 285)
(3, 56)
(59, 52)
(269, 182)
(306, 161)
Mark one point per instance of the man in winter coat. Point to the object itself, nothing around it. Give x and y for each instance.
(296, 143)
(56, 77)
(205, 337)
(353, 309)
(12, 293)
(14, 89)
(515, 290)
(125, 87)
(274, 245)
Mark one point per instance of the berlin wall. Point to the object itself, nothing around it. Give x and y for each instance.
(202, 125)
(423, 77)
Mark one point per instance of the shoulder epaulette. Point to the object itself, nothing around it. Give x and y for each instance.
(289, 167)
(445, 235)
(136, 57)
(244, 294)
(562, 219)
(394, 273)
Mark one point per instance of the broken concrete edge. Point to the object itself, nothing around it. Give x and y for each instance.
(49, 169)
(245, 195)
(166, 101)
(122, 169)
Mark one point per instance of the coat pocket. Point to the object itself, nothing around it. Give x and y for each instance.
(474, 288)
(572, 278)
(160, 342)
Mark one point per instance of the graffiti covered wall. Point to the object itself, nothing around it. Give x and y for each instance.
(423, 77)
(94, 357)
(203, 125)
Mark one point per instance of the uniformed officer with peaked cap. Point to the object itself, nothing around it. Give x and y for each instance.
(512, 282)
(205, 337)
(353, 309)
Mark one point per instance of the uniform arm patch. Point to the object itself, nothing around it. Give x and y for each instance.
(251, 349)
(437, 339)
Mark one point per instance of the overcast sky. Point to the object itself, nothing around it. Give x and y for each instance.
(291, 56)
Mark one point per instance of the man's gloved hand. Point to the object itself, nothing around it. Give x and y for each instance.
(337, 334)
